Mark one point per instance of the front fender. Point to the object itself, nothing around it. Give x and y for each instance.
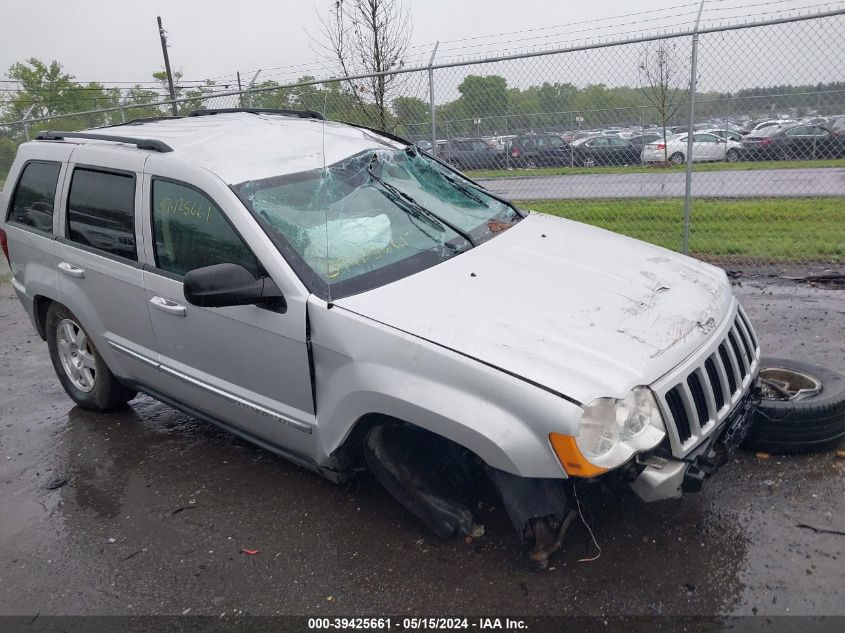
(364, 367)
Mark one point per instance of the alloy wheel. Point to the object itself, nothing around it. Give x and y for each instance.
(76, 355)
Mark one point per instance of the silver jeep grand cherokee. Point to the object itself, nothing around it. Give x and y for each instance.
(339, 297)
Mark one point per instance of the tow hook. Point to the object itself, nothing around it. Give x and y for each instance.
(693, 479)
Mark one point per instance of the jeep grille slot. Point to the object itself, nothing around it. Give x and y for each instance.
(679, 413)
(729, 370)
(747, 325)
(740, 359)
(742, 339)
(698, 398)
(715, 382)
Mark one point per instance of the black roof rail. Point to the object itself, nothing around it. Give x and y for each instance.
(302, 114)
(149, 119)
(140, 143)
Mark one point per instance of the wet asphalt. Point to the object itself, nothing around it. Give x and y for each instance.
(148, 511)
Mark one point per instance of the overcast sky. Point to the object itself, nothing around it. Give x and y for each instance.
(112, 41)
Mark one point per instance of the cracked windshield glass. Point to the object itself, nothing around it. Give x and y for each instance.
(374, 217)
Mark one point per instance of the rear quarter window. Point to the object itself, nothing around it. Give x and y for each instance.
(34, 196)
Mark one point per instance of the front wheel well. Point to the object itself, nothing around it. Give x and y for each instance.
(349, 456)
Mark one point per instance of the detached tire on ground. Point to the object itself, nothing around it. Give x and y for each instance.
(802, 410)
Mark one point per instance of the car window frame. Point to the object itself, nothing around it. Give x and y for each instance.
(10, 220)
(65, 237)
(153, 265)
(795, 131)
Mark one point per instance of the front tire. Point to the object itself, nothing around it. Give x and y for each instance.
(79, 366)
(732, 156)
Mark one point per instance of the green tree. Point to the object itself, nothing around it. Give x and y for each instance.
(412, 116)
(47, 90)
(484, 96)
(137, 103)
(196, 94)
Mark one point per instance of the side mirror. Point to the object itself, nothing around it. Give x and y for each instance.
(224, 285)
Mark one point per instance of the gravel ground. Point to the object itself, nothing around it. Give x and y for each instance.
(147, 511)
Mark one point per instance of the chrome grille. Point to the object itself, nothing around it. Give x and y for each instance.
(703, 394)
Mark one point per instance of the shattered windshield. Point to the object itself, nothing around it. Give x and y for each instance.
(372, 218)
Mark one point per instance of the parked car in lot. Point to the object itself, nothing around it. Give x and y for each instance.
(539, 150)
(770, 123)
(639, 140)
(604, 150)
(705, 147)
(340, 298)
(731, 135)
(471, 153)
(794, 142)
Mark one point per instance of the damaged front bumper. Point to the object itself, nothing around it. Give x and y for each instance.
(659, 475)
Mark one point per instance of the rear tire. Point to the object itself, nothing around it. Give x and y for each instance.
(807, 424)
(677, 158)
(79, 366)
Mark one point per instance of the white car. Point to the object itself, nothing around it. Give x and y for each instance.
(762, 128)
(706, 146)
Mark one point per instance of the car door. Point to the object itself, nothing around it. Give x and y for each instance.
(245, 366)
(707, 147)
(483, 156)
(823, 145)
(623, 153)
(100, 276)
(798, 142)
(595, 152)
(557, 151)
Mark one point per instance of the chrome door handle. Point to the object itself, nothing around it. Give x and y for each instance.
(70, 269)
(166, 305)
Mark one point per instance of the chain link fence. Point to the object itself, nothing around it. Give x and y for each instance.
(601, 134)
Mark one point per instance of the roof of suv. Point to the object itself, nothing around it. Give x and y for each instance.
(240, 146)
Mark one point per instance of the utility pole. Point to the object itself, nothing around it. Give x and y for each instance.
(240, 91)
(163, 36)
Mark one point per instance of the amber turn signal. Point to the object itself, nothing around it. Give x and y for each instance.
(571, 458)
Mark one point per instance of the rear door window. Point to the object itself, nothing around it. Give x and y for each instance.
(101, 211)
(190, 231)
(35, 195)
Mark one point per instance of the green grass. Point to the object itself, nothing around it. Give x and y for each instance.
(650, 169)
(764, 230)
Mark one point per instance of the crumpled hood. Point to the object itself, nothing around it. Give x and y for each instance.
(572, 307)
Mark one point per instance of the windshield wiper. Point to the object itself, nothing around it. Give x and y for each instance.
(411, 151)
(416, 206)
(464, 190)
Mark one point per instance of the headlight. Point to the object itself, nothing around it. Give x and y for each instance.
(611, 432)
